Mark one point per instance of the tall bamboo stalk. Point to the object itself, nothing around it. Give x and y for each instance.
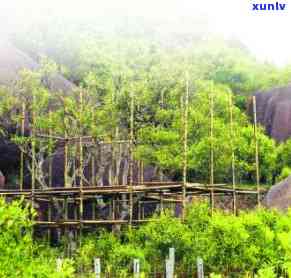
(185, 145)
(81, 163)
(33, 150)
(211, 150)
(50, 149)
(131, 157)
(21, 174)
(257, 151)
(231, 135)
(65, 147)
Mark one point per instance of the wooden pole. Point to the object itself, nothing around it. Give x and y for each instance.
(211, 150)
(81, 165)
(49, 219)
(257, 151)
(21, 176)
(50, 149)
(185, 145)
(232, 153)
(131, 157)
(65, 148)
(33, 160)
(33, 151)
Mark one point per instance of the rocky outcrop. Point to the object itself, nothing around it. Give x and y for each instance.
(2, 180)
(274, 112)
(106, 169)
(12, 61)
(279, 196)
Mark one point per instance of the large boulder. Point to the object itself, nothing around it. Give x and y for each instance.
(279, 196)
(101, 171)
(274, 112)
(12, 61)
(2, 180)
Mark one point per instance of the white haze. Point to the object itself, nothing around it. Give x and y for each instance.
(265, 33)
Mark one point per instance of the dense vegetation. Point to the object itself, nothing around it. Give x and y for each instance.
(253, 242)
(108, 68)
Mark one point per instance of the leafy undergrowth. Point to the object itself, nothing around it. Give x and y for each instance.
(256, 242)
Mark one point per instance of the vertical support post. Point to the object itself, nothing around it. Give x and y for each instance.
(65, 147)
(200, 268)
(161, 203)
(139, 211)
(211, 150)
(21, 174)
(93, 178)
(142, 172)
(50, 149)
(33, 151)
(131, 157)
(257, 151)
(65, 209)
(94, 209)
(136, 268)
(232, 154)
(185, 145)
(81, 164)
(97, 267)
(114, 208)
(49, 219)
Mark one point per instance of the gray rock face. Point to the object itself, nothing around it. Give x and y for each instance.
(101, 171)
(274, 112)
(279, 196)
(12, 61)
(2, 180)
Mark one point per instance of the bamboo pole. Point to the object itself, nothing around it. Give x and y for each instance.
(21, 176)
(49, 219)
(211, 150)
(81, 165)
(131, 157)
(142, 172)
(33, 151)
(185, 145)
(93, 166)
(65, 148)
(232, 153)
(257, 151)
(50, 149)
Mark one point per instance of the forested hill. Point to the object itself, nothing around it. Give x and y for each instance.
(152, 61)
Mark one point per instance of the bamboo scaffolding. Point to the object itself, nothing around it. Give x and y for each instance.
(50, 150)
(131, 157)
(257, 151)
(33, 162)
(81, 166)
(211, 150)
(65, 147)
(21, 175)
(185, 145)
(231, 135)
(115, 197)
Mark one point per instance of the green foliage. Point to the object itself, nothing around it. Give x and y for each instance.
(20, 256)
(255, 242)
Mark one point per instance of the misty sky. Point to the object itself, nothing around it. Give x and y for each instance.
(265, 33)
